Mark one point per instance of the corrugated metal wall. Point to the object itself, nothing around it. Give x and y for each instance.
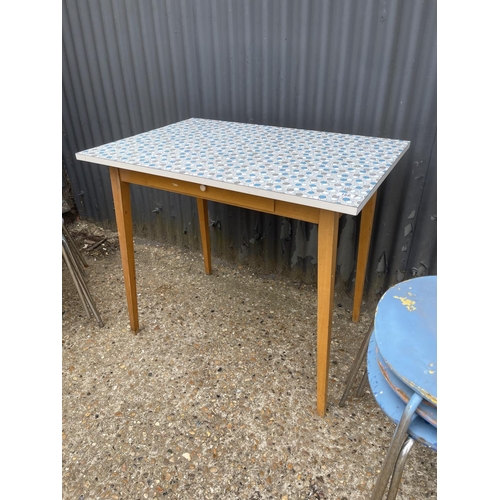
(360, 67)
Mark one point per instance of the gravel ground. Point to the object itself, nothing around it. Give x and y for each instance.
(214, 398)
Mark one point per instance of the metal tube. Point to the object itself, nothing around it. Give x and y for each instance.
(395, 447)
(81, 285)
(70, 265)
(74, 249)
(360, 356)
(398, 468)
(362, 386)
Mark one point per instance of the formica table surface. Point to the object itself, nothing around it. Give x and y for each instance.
(336, 172)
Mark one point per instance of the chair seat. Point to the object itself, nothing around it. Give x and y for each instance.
(392, 405)
(406, 328)
(426, 410)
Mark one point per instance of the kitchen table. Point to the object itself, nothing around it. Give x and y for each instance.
(308, 175)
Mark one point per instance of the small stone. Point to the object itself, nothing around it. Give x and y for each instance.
(187, 456)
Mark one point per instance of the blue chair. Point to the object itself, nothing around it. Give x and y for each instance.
(400, 349)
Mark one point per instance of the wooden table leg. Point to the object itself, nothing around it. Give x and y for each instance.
(123, 213)
(205, 233)
(328, 229)
(365, 235)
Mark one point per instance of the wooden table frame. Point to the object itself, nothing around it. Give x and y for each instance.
(328, 227)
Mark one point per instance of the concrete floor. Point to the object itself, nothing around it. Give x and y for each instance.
(214, 398)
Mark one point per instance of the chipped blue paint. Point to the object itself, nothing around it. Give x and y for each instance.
(406, 333)
(392, 405)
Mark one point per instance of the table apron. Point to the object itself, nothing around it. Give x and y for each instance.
(244, 200)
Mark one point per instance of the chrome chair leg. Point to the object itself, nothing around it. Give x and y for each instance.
(397, 441)
(398, 468)
(356, 365)
(68, 259)
(74, 249)
(362, 386)
(80, 283)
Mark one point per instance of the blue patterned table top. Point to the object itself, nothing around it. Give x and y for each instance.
(326, 170)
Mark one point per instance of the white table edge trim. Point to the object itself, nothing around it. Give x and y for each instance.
(382, 179)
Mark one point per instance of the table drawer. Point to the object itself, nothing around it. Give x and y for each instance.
(199, 191)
